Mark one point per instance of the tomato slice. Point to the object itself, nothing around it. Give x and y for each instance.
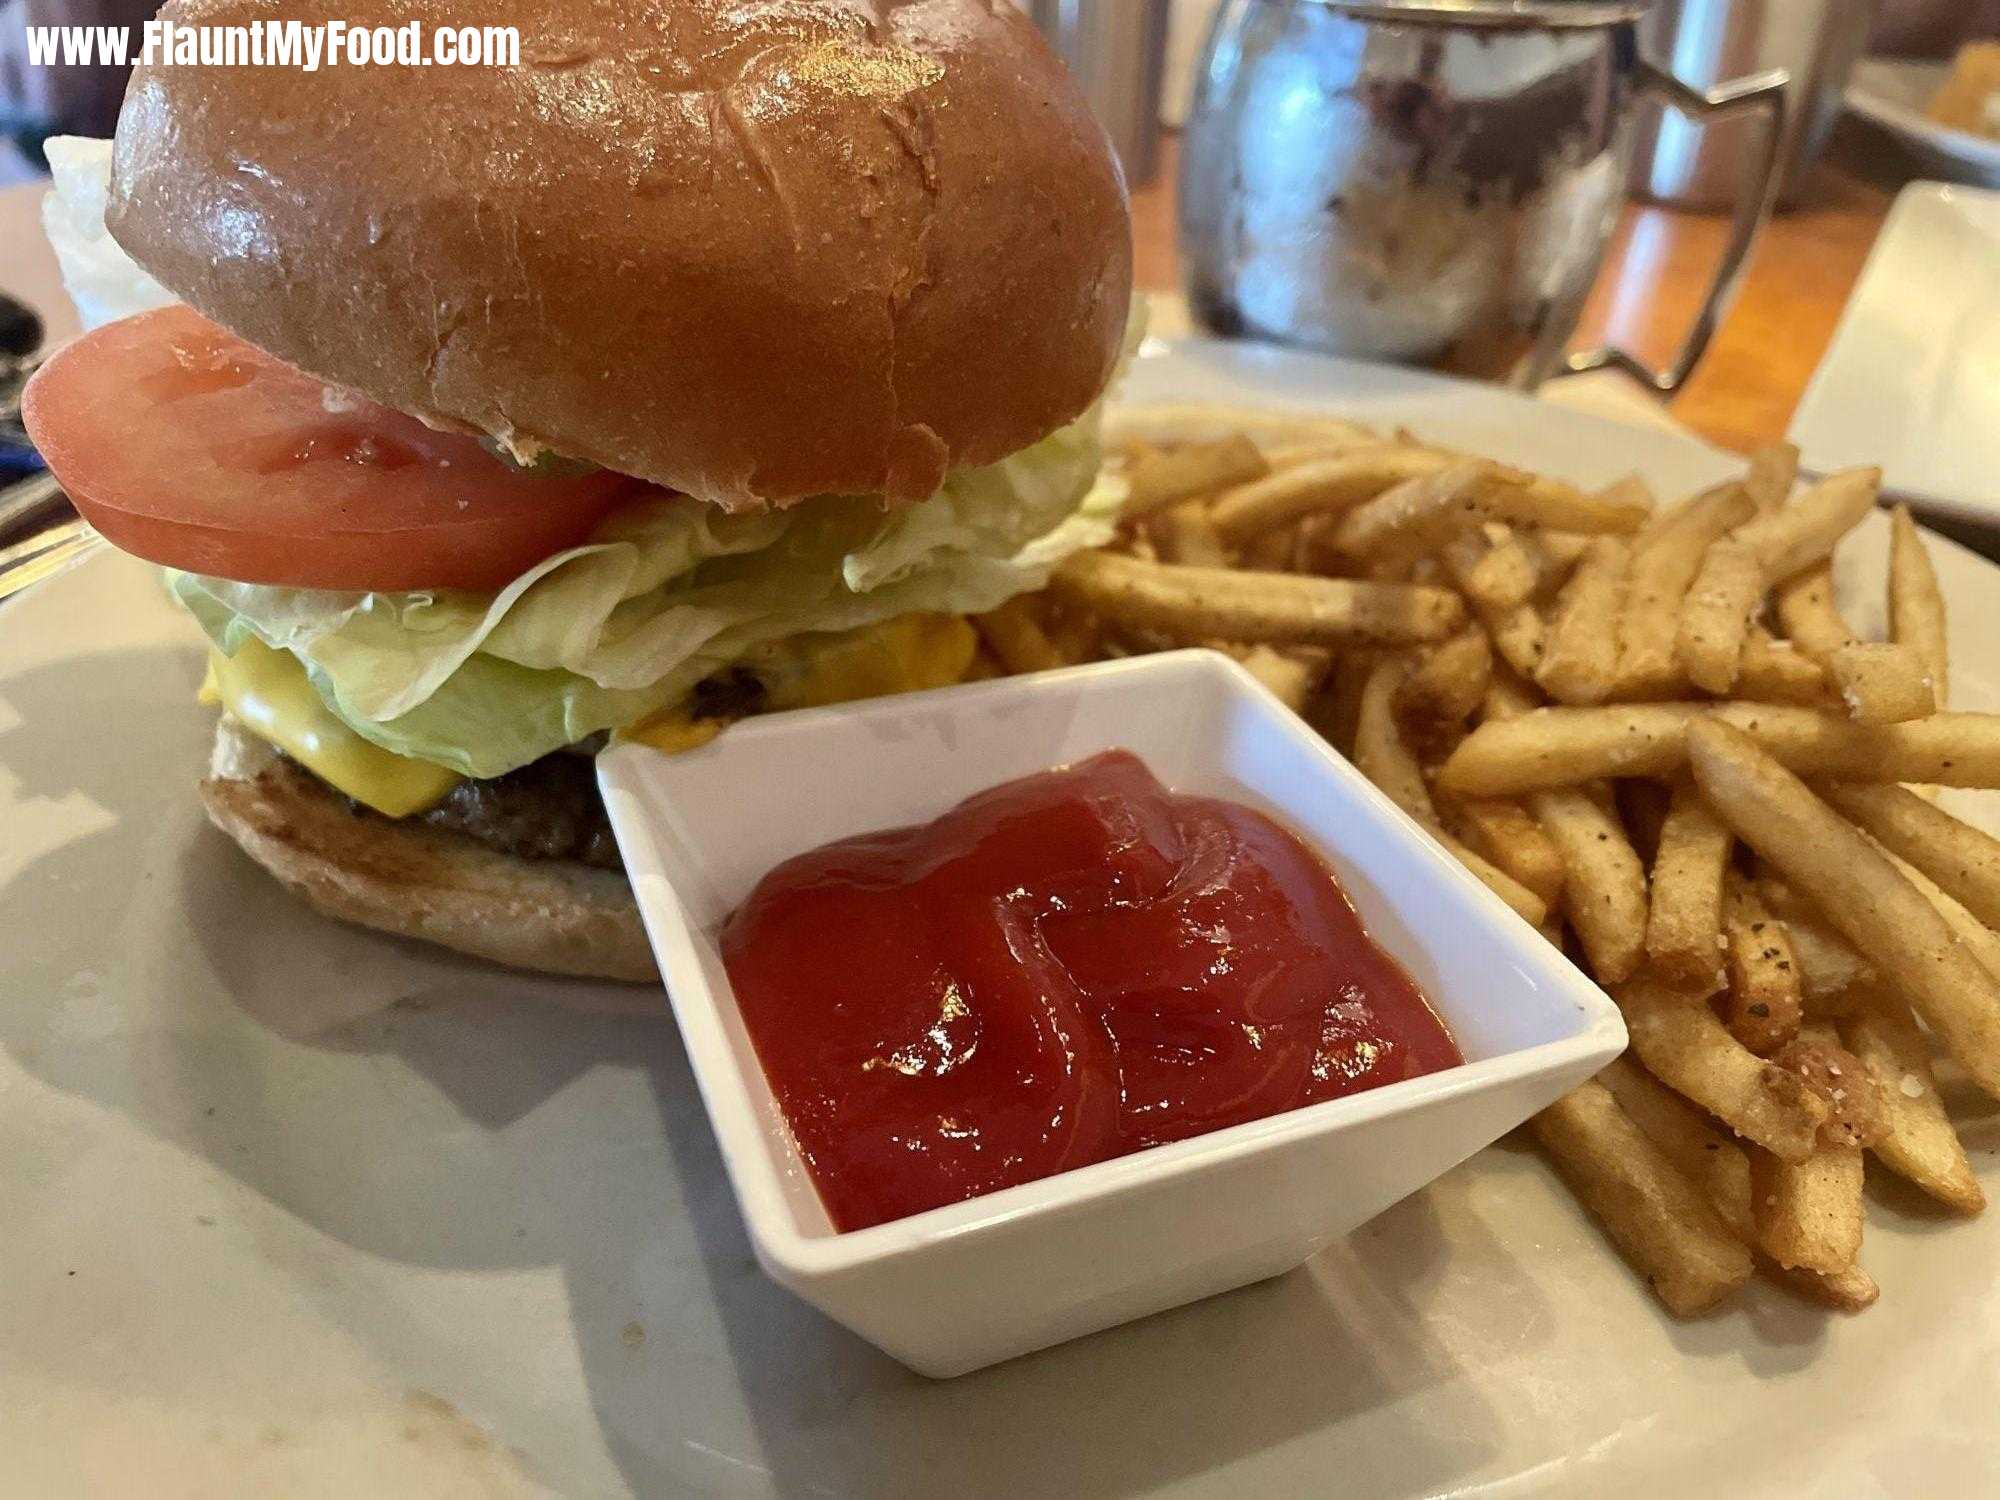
(185, 445)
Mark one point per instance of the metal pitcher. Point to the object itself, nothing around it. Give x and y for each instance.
(1434, 181)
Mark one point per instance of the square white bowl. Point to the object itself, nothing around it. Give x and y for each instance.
(960, 1287)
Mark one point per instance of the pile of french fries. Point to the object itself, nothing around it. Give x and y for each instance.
(1649, 729)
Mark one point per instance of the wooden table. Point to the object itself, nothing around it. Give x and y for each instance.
(1656, 272)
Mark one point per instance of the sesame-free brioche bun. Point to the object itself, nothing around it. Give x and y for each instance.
(558, 916)
(753, 250)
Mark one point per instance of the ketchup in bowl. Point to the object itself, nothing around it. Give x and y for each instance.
(1064, 969)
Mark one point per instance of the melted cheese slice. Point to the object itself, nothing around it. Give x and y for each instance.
(268, 692)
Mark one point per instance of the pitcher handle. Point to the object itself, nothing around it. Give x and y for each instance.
(1760, 93)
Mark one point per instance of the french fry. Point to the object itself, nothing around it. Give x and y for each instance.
(1418, 515)
(1290, 676)
(1173, 423)
(1774, 469)
(1916, 605)
(1563, 745)
(1809, 1213)
(1604, 883)
(1014, 634)
(1381, 755)
(1328, 486)
(1807, 614)
(1851, 1290)
(1856, 1115)
(1919, 1143)
(1444, 689)
(1683, 1045)
(1858, 889)
(1506, 834)
(1168, 477)
(1879, 684)
(1336, 709)
(1684, 926)
(1703, 1154)
(1764, 1004)
(1519, 636)
(1793, 537)
(1972, 935)
(1580, 656)
(1963, 860)
(1184, 534)
(1831, 973)
(1664, 564)
(1421, 515)
(1281, 608)
(1715, 615)
(1643, 806)
(1774, 671)
(1661, 1221)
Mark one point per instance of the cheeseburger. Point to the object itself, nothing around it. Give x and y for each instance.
(719, 358)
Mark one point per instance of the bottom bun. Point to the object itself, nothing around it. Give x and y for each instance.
(558, 916)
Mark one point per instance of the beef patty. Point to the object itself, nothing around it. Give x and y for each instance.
(547, 809)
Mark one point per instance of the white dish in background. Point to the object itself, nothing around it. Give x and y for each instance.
(1911, 380)
(973, 1283)
(1893, 92)
(348, 1216)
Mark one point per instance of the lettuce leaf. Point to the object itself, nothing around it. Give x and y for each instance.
(668, 592)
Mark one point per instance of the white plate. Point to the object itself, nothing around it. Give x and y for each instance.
(472, 1244)
(1911, 380)
(1893, 92)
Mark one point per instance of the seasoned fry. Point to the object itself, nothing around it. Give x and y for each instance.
(1918, 1143)
(1419, 514)
(1916, 605)
(1423, 514)
(1518, 636)
(1014, 634)
(1856, 1114)
(1715, 615)
(1973, 935)
(1580, 660)
(1604, 883)
(1830, 971)
(1206, 603)
(1185, 422)
(1661, 1221)
(1324, 486)
(1381, 756)
(1851, 1290)
(1336, 709)
(1773, 471)
(1963, 860)
(1506, 834)
(1664, 564)
(1444, 690)
(1682, 1044)
(1291, 676)
(1166, 478)
(1880, 683)
(1808, 1213)
(1764, 1005)
(1806, 613)
(1854, 884)
(1684, 929)
(1703, 1154)
(1184, 534)
(1563, 745)
(1793, 537)
(1774, 671)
